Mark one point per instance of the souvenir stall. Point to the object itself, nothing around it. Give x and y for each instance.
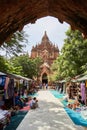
(2, 84)
(9, 84)
(4, 114)
(83, 85)
(21, 85)
(63, 86)
(73, 90)
(9, 92)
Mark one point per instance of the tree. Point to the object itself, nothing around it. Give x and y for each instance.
(73, 55)
(28, 67)
(75, 51)
(4, 64)
(38, 61)
(14, 46)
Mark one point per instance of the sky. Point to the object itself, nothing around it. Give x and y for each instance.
(55, 31)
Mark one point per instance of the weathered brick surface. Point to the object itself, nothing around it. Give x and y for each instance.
(14, 14)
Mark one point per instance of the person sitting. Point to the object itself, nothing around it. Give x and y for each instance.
(69, 105)
(21, 103)
(74, 105)
(34, 103)
(16, 99)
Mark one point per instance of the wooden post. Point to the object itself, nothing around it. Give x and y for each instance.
(86, 96)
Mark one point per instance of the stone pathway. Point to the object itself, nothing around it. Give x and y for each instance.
(50, 116)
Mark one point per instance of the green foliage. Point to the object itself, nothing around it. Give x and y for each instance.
(14, 46)
(37, 61)
(4, 64)
(26, 66)
(73, 58)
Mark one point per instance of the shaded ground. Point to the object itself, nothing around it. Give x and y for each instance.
(15, 120)
(50, 116)
(75, 116)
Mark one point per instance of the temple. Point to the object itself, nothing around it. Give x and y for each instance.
(48, 52)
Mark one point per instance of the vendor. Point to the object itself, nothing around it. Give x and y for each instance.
(34, 103)
(74, 105)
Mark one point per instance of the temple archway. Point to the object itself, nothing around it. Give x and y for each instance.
(44, 78)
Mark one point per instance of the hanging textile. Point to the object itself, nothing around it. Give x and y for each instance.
(9, 100)
(11, 88)
(83, 95)
(86, 83)
(2, 84)
(6, 83)
(6, 87)
(2, 80)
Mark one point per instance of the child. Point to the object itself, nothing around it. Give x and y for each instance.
(34, 103)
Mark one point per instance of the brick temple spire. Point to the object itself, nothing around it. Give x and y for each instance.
(48, 52)
(45, 38)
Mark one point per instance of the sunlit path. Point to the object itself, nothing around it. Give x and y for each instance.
(50, 115)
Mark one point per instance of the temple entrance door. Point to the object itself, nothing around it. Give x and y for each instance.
(44, 79)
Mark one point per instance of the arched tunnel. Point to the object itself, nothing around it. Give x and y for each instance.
(14, 14)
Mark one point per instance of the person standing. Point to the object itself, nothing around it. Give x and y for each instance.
(46, 85)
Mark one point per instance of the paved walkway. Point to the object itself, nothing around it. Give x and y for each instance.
(50, 115)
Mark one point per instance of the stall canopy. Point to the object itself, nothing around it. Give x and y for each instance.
(62, 81)
(2, 74)
(19, 77)
(82, 78)
(78, 78)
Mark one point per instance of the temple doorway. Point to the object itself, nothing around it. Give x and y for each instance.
(44, 78)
